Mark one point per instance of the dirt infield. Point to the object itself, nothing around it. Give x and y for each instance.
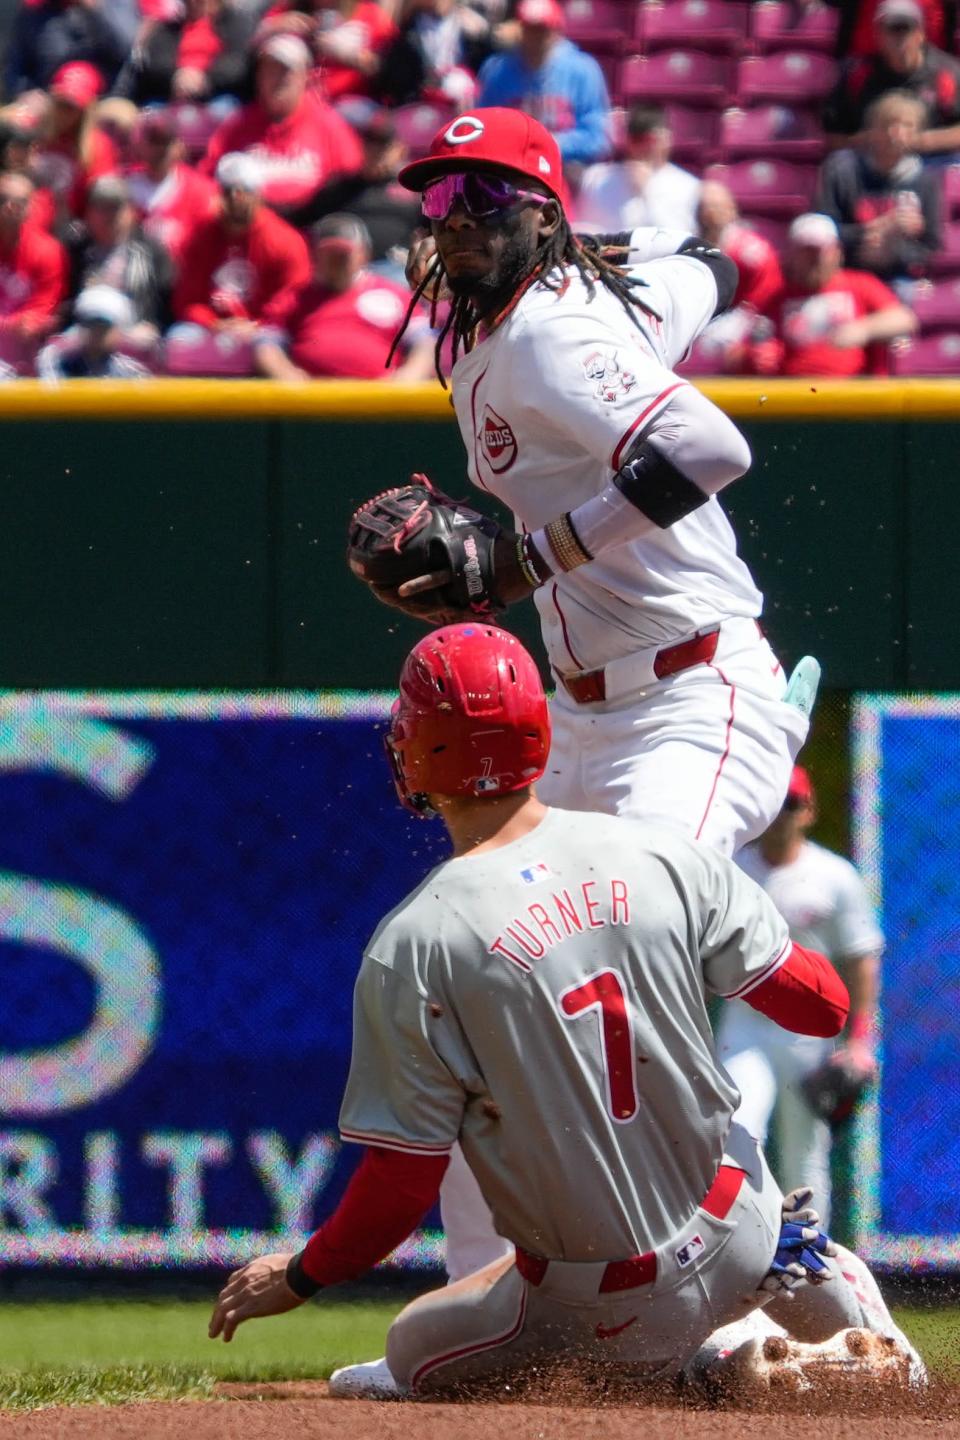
(303, 1409)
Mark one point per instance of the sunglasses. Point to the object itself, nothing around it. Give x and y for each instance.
(482, 195)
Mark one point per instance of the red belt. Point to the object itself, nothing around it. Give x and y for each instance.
(591, 686)
(642, 1269)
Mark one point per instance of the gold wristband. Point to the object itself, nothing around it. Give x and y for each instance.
(565, 544)
(526, 564)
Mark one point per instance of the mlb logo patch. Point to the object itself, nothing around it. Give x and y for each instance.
(535, 873)
(689, 1252)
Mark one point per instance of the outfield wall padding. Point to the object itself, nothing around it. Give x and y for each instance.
(176, 534)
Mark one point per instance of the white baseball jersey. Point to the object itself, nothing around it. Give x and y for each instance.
(549, 405)
(545, 1002)
(822, 899)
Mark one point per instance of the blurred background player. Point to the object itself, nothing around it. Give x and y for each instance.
(825, 905)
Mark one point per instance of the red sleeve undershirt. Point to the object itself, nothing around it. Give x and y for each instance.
(805, 994)
(386, 1199)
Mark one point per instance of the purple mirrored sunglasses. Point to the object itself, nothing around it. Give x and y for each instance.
(482, 195)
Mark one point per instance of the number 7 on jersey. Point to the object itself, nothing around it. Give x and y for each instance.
(604, 994)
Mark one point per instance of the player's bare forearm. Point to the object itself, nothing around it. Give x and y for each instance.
(253, 1292)
(862, 977)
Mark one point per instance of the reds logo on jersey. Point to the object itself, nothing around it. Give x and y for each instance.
(603, 369)
(498, 440)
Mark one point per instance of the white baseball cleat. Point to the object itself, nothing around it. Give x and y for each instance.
(370, 1381)
(781, 1365)
(802, 687)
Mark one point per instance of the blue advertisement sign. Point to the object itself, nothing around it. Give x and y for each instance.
(186, 886)
(907, 837)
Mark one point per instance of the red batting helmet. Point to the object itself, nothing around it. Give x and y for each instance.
(471, 718)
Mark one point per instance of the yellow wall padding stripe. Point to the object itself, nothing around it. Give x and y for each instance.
(215, 400)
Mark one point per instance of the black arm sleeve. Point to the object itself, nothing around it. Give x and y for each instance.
(724, 270)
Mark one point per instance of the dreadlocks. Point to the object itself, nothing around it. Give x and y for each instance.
(554, 255)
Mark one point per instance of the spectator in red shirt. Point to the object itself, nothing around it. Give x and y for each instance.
(193, 52)
(344, 323)
(242, 267)
(76, 152)
(719, 224)
(169, 196)
(826, 320)
(299, 141)
(33, 274)
(19, 153)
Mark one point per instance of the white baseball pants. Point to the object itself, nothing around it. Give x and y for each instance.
(767, 1065)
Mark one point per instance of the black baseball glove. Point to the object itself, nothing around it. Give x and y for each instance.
(415, 533)
(834, 1088)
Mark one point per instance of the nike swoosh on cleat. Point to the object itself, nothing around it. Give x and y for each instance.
(602, 1332)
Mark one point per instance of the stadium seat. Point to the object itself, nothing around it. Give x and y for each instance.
(930, 355)
(946, 260)
(417, 124)
(191, 350)
(17, 356)
(195, 126)
(780, 25)
(703, 359)
(694, 134)
(951, 192)
(600, 24)
(796, 76)
(776, 131)
(717, 25)
(771, 228)
(689, 76)
(936, 304)
(768, 187)
(609, 63)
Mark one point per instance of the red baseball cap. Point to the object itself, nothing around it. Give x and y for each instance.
(78, 83)
(800, 787)
(541, 12)
(491, 138)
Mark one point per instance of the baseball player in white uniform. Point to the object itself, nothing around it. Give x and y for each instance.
(541, 998)
(670, 704)
(825, 905)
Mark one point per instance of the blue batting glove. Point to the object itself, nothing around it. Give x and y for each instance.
(798, 1258)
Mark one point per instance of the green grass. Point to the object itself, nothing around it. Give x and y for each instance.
(308, 1343)
(110, 1351)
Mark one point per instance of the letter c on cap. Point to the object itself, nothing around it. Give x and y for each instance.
(464, 128)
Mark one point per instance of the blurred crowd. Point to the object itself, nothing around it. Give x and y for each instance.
(209, 187)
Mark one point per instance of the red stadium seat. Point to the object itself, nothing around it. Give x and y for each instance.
(946, 260)
(417, 124)
(717, 25)
(780, 25)
(694, 134)
(768, 187)
(704, 359)
(195, 126)
(600, 24)
(936, 304)
(688, 76)
(930, 355)
(796, 76)
(770, 228)
(776, 131)
(188, 350)
(951, 191)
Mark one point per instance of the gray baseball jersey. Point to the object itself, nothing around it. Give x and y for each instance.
(545, 1003)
